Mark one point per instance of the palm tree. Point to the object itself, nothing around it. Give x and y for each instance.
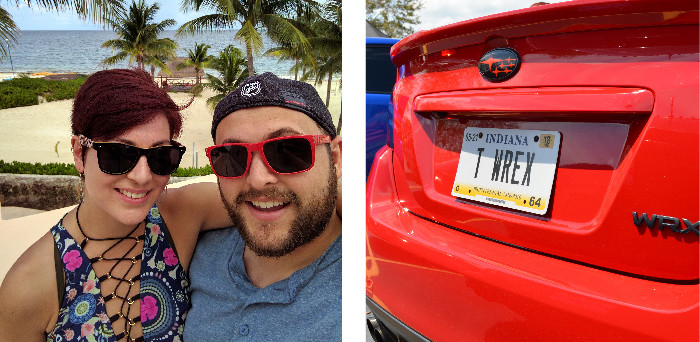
(138, 36)
(251, 15)
(298, 51)
(301, 57)
(326, 47)
(327, 44)
(231, 65)
(198, 59)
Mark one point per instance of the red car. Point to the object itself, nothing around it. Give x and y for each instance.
(543, 180)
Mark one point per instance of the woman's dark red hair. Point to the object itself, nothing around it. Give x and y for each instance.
(112, 102)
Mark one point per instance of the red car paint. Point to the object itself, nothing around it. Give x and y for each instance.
(619, 81)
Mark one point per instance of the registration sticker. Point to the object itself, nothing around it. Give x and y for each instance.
(511, 168)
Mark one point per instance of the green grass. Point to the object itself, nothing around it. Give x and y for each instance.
(25, 91)
(69, 169)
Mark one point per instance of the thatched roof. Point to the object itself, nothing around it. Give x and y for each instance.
(172, 65)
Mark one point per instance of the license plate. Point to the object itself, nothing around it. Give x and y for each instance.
(511, 168)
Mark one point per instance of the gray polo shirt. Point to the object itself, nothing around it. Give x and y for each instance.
(226, 306)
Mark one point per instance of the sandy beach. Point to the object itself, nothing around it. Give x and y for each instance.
(41, 133)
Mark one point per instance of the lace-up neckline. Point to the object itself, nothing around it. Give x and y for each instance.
(129, 320)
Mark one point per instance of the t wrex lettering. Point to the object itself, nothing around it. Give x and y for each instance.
(502, 163)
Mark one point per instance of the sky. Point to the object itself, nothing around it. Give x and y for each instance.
(36, 18)
(442, 12)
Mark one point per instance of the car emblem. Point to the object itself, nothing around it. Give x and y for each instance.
(499, 64)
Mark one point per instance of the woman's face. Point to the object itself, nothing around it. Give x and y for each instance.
(126, 198)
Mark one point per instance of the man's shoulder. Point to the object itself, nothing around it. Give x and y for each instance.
(333, 255)
(325, 283)
(214, 245)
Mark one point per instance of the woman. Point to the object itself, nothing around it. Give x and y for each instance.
(121, 271)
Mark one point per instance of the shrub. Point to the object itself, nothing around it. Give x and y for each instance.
(63, 90)
(192, 172)
(11, 97)
(24, 91)
(38, 168)
(69, 169)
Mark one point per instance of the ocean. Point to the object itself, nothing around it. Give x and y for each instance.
(81, 51)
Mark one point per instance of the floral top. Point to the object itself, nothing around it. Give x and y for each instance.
(164, 290)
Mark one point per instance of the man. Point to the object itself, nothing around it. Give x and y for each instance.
(276, 274)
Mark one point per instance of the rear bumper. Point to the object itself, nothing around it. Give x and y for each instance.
(447, 285)
(398, 329)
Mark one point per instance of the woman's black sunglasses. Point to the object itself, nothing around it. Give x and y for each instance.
(118, 159)
(284, 155)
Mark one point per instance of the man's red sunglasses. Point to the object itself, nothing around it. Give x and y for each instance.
(284, 155)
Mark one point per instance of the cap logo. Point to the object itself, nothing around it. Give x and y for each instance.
(499, 64)
(251, 89)
(293, 98)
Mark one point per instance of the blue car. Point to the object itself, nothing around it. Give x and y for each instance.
(381, 76)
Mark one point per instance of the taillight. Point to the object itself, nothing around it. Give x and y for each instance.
(447, 53)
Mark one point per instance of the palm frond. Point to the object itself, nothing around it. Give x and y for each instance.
(251, 37)
(209, 22)
(93, 10)
(8, 31)
(122, 55)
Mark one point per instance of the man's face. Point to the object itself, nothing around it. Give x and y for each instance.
(277, 213)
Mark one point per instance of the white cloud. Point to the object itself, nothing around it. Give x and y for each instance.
(442, 12)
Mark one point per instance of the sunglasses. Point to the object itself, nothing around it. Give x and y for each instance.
(118, 159)
(285, 155)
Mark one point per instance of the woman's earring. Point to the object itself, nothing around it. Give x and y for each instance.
(81, 187)
(162, 194)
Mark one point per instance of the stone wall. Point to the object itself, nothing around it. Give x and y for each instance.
(38, 191)
(41, 191)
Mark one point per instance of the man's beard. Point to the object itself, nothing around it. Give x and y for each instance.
(311, 220)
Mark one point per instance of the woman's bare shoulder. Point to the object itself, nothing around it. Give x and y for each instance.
(196, 205)
(34, 260)
(28, 293)
(187, 211)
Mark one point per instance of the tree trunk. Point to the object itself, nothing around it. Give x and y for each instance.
(249, 54)
(296, 69)
(340, 118)
(328, 88)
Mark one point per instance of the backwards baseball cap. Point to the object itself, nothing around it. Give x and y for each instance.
(270, 90)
